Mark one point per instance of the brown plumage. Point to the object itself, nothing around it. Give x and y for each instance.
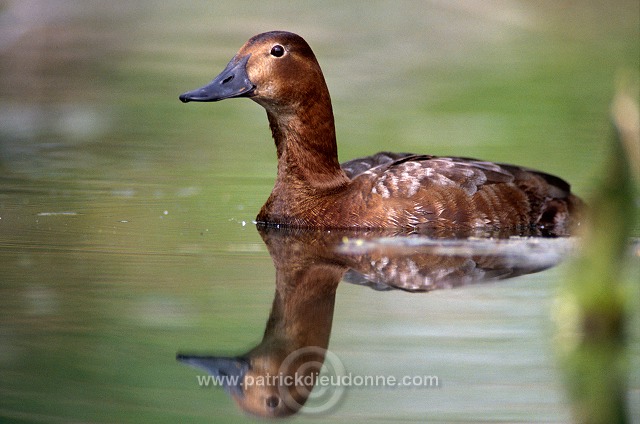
(279, 71)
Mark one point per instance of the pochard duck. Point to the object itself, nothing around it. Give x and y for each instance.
(279, 71)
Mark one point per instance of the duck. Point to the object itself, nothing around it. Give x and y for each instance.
(404, 191)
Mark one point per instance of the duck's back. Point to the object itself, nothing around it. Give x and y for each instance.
(430, 192)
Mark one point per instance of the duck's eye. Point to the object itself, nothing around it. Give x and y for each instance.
(277, 50)
(272, 402)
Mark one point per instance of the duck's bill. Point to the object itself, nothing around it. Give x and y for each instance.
(233, 81)
(231, 370)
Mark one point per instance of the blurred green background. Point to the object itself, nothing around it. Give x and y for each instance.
(122, 210)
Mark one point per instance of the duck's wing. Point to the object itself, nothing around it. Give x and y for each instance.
(456, 191)
(467, 173)
(358, 166)
(403, 174)
(556, 186)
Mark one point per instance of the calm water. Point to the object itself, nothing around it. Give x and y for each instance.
(125, 216)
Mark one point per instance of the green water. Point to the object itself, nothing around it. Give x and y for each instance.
(125, 216)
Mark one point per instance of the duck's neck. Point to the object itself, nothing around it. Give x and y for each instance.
(305, 139)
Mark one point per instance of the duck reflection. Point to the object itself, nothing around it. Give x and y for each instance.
(276, 378)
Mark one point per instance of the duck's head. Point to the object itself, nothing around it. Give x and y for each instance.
(265, 382)
(276, 69)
